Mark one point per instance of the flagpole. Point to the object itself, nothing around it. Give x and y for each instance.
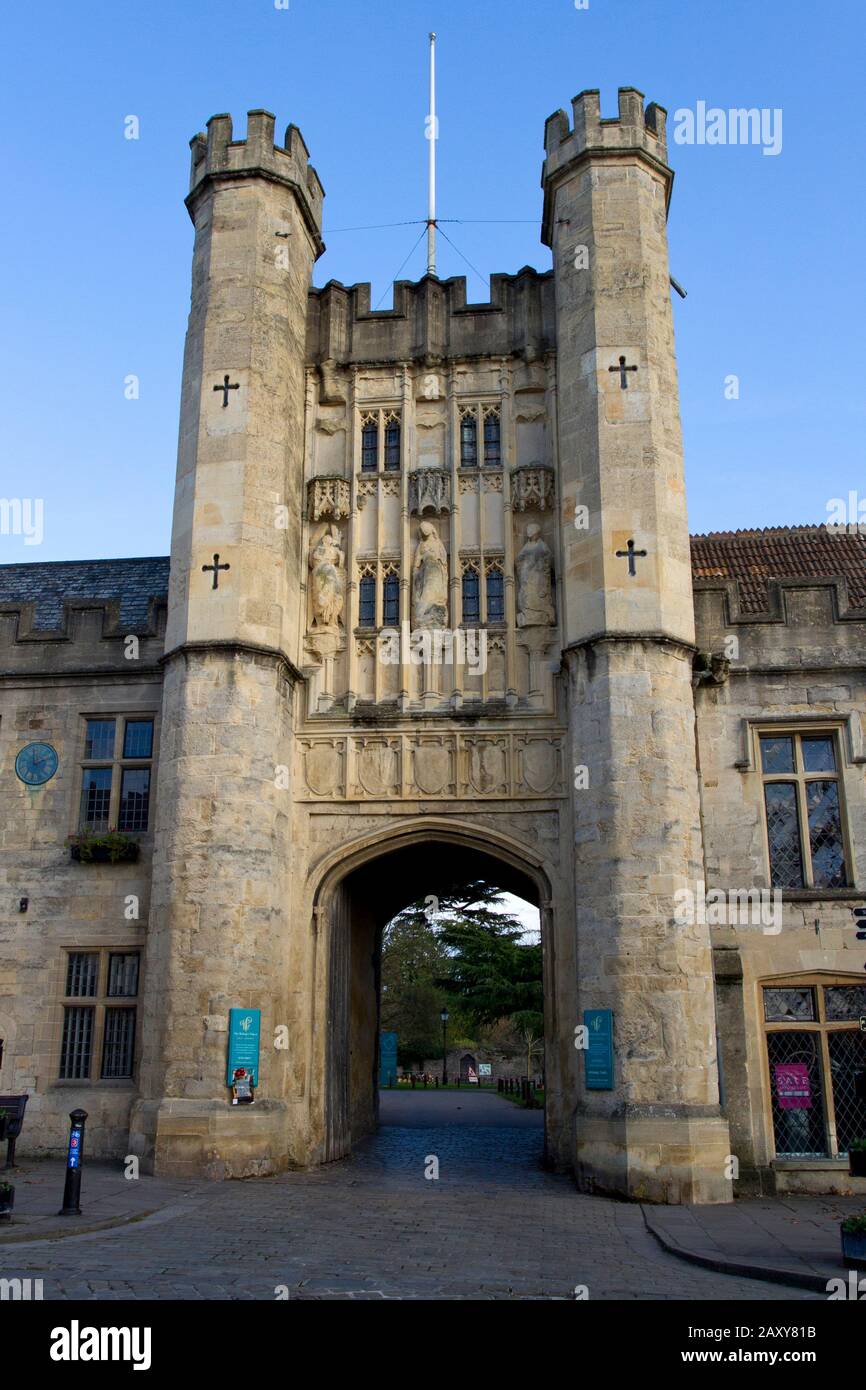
(432, 136)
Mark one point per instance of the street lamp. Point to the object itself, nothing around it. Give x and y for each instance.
(444, 1017)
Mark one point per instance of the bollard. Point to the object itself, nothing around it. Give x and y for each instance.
(72, 1186)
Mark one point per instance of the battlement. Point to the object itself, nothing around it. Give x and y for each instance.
(432, 319)
(633, 128)
(635, 132)
(218, 156)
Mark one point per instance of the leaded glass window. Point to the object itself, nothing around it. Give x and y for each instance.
(392, 445)
(789, 1005)
(492, 455)
(845, 1004)
(797, 1094)
(95, 798)
(391, 600)
(370, 447)
(469, 442)
(367, 601)
(471, 597)
(783, 831)
(134, 799)
(816, 1054)
(99, 740)
(805, 834)
(495, 596)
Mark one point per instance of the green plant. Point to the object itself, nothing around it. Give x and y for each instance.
(116, 845)
(855, 1225)
(857, 1146)
(5, 1189)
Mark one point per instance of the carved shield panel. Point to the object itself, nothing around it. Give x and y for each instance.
(377, 769)
(322, 768)
(432, 767)
(540, 764)
(487, 767)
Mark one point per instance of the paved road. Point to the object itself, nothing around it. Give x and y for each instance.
(427, 1109)
(493, 1225)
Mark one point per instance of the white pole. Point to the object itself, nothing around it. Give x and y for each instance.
(432, 134)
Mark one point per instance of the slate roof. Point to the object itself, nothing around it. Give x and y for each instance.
(133, 583)
(752, 558)
(781, 552)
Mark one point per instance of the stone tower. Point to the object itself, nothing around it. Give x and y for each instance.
(628, 641)
(221, 886)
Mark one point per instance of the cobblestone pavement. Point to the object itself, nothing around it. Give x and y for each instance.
(493, 1225)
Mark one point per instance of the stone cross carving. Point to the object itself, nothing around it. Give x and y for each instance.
(631, 555)
(215, 568)
(225, 388)
(621, 368)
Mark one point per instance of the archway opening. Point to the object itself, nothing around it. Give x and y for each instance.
(399, 883)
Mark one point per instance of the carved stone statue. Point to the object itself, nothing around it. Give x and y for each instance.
(328, 580)
(534, 581)
(429, 580)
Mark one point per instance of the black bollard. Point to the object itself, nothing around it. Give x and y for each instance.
(72, 1186)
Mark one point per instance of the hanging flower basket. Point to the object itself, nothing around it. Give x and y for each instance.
(111, 847)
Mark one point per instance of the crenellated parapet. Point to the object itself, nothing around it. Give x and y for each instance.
(218, 157)
(634, 130)
(431, 320)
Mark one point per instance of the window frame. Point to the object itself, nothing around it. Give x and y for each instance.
(800, 778)
(381, 418)
(100, 1004)
(116, 765)
(479, 411)
(818, 982)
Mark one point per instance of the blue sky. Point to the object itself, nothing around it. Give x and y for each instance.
(96, 242)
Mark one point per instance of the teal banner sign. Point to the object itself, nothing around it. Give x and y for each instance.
(245, 1026)
(599, 1053)
(387, 1059)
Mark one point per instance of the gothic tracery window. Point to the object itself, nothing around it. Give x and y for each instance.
(471, 596)
(495, 595)
(370, 445)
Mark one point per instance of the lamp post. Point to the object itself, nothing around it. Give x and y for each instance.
(444, 1017)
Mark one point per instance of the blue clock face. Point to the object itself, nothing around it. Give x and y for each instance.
(36, 763)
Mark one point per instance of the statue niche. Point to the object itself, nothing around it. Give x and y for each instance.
(429, 580)
(327, 581)
(534, 581)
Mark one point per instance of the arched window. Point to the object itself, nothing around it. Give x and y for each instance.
(471, 605)
(495, 596)
(367, 601)
(469, 442)
(391, 600)
(392, 445)
(492, 455)
(370, 447)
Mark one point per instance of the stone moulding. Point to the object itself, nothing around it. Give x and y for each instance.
(412, 765)
(430, 491)
(532, 487)
(328, 497)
